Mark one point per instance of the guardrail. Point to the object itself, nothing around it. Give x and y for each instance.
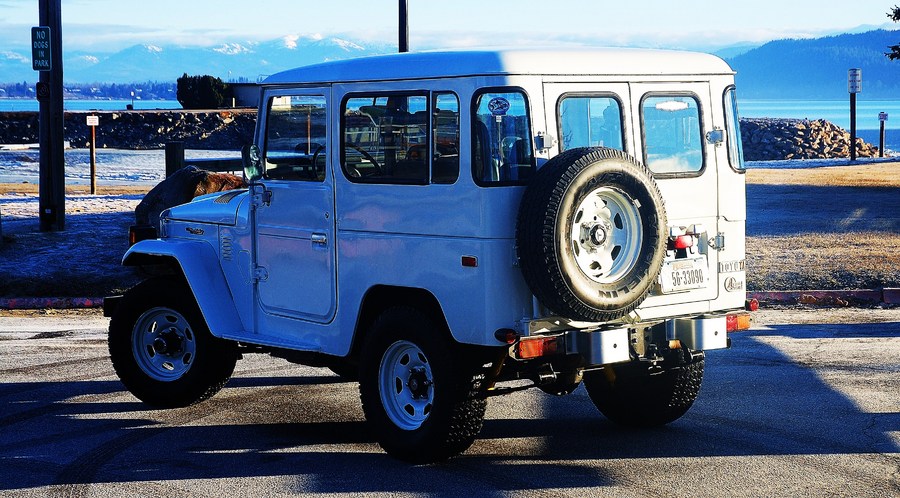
(175, 161)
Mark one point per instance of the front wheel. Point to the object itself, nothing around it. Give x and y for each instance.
(422, 396)
(635, 395)
(161, 348)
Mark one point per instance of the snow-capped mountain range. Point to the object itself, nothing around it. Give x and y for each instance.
(230, 61)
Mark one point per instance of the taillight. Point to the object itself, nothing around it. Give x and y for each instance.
(533, 347)
(737, 321)
(683, 242)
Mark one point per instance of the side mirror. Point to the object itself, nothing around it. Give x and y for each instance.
(252, 163)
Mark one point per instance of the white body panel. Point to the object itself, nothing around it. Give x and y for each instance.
(299, 269)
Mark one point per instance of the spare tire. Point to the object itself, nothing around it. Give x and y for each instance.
(591, 234)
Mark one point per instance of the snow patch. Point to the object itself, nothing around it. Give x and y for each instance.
(232, 49)
(346, 45)
(153, 48)
(88, 58)
(290, 41)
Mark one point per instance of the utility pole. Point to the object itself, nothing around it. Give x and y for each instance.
(404, 26)
(52, 187)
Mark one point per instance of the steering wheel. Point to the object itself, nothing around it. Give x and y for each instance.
(315, 157)
(368, 157)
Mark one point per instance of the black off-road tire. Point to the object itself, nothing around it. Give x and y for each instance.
(556, 239)
(630, 395)
(199, 365)
(447, 416)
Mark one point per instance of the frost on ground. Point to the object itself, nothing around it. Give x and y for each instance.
(82, 260)
(833, 226)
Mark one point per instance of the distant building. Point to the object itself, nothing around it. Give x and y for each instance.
(245, 94)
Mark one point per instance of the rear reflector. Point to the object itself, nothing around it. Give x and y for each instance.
(533, 347)
(137, 233)
(751, 305)
(737, 321)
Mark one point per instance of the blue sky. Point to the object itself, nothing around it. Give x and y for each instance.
(110, 25)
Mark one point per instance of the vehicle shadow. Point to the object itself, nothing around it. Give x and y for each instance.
(309, 430)
(778, 210)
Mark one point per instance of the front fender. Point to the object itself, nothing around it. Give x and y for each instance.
(200, 266)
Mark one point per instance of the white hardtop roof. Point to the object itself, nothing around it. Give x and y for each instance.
(428, 65)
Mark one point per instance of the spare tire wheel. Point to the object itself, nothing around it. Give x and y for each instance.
(591, 234)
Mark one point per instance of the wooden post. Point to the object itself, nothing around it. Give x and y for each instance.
(52, 173)
(174, 157)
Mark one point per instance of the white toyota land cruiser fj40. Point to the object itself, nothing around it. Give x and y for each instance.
(449, 226)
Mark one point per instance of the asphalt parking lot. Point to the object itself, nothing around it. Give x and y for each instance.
(807, 403)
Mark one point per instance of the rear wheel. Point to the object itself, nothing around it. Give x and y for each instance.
(161, 348)
(422, 396)
(635, 395)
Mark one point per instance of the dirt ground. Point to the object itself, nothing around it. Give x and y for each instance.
(823, 228)
(817, 228)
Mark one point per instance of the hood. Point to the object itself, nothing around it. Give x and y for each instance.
(220, 208)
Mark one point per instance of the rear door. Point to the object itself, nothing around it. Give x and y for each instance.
(671, 122)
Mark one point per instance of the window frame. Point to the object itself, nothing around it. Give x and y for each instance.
(738, 147)
(430, 97)
(473, 109)
(264, 153)
(610, 95)
(702, 128)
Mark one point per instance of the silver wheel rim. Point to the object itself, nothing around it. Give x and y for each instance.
(163, 344)
(606, 235)
(406, 385)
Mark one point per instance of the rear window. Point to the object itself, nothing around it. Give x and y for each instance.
(672, 143)
(590, 121)
(502, 151)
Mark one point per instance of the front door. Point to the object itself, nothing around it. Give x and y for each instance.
(294, 226)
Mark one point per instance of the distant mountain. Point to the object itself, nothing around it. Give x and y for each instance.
(814, 68)
(230, 61)
(817, 68)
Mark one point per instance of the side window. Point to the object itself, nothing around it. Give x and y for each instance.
(586, 121)
(733, 128)
(501, 139)
(296, 138)
(445, 165)
(385, 138)
(672, 134)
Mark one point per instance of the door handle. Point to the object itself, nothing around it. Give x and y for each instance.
(320, 239)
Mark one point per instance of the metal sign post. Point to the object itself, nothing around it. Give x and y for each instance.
(854, 86)
(92, 121)
(882, 117)
(52, 186)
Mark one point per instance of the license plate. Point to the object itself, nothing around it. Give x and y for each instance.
(684, 274)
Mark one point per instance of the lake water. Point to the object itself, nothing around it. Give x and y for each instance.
(89, 105)
(836, 111)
